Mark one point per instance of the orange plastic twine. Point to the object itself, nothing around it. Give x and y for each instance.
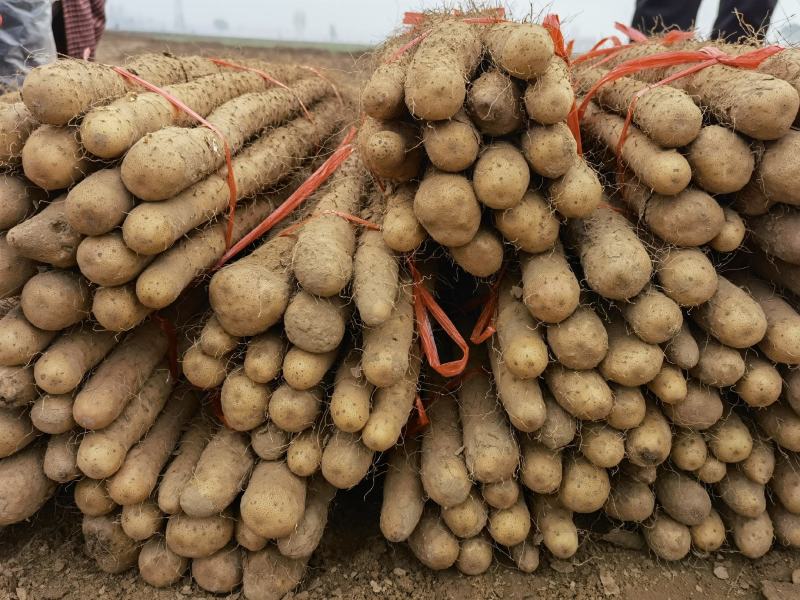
(484, 326)
(266, 77)
(408, 45)
(308, 187)
(552, 23)
(269, 78)
(704, 57)
(597, 50)
(178, 104)
(633, 34)
(674, 36)
(494, 15)
(615, 43)
(420, 420)
(636, 37)
(325, 78)
(424, 306)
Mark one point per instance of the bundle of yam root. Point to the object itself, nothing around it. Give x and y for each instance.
(636, 350)
(646, 333)
(113, 209)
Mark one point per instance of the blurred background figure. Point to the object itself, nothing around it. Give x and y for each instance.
(33, 31)
(78, 26)
(735, 19)
(26, 39)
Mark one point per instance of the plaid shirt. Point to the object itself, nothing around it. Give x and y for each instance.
(84, 22)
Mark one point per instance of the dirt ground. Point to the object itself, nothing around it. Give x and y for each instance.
(44, 559)
(116, 47)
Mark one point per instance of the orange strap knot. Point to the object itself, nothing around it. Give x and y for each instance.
(304, 190)
(424, 306)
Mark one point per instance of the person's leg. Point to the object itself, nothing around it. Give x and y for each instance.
(659, 15)
(59, 34)
(754, 15)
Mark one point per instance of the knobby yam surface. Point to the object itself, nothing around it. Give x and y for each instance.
(323, 255)
(102, 453)
(112, 385)
(109, 131)
(58, 92)
(436, 77)
(152, 227)
(169, 160)
(16, 125)
(664, 170)
(47, 237)
(667, 115)
(98, 203)
(18, 199)
(54, 159)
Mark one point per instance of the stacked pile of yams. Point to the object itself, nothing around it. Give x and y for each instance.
(645, 322)
(643, 354)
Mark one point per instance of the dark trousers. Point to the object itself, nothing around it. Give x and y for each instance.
(59, 34)
(657, 15)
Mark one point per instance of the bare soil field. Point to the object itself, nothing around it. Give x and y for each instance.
(115, 47)
(44, 559)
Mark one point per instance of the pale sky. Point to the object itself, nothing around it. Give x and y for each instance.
(364, 21)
